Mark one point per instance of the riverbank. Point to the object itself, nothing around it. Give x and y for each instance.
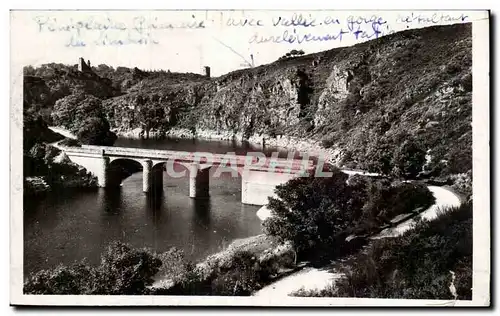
(247, 265)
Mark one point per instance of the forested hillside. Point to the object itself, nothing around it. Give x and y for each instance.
(396, 105)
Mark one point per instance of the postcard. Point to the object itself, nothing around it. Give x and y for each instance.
(250, 158)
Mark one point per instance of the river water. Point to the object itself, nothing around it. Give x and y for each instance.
(65, 227)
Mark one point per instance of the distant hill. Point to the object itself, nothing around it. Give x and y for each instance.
(388, 104)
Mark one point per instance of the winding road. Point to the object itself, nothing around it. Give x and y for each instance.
(62, 131)
(317, 279)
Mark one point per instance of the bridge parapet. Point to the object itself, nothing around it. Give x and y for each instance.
(83, 150)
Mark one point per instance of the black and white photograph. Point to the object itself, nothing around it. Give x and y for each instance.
(250, 158)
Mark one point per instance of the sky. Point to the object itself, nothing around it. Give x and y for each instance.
(186, 41)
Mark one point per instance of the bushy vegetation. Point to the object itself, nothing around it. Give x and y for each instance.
(36, 131)
(462, 184)
(47, 164)
(83, 115)
(70, 142)
(432, 261)
(318, 214)
(241, 275)
(123, 270)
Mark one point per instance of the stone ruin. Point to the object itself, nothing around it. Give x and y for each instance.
(83, 66)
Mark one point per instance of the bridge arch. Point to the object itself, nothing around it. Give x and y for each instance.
(120, 169)
(173, 168)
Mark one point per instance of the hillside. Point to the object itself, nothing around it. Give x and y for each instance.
(391, 105)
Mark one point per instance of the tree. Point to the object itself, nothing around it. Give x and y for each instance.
(72, 110)
(311, 212)
(83, 114)
(378, 157)
(292, 53)
(95, 131)
(408, 159)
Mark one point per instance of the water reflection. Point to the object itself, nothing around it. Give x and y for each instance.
(155, 202)
(201, 212)
(111, 200)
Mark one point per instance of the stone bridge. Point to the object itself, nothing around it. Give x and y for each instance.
(259, 176)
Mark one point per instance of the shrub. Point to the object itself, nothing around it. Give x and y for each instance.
(327, 142)
(378, 157)
(36, 131)
(240, 277)
(462, 183)
(407, 197)
(76, 279)
(174, 265)
(241, 273)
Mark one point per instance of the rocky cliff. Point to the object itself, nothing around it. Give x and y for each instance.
(367, 100)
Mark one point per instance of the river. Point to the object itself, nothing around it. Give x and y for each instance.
(65, 227)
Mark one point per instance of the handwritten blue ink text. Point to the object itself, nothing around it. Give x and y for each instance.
(358, 27)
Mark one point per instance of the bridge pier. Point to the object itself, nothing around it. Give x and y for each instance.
(199, 181)
(102, 173)
(147, 175)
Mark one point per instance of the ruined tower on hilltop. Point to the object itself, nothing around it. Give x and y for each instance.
(84, 67)
(206, 71)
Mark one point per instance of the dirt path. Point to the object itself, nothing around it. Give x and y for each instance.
(313, 278)
(444, 198)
